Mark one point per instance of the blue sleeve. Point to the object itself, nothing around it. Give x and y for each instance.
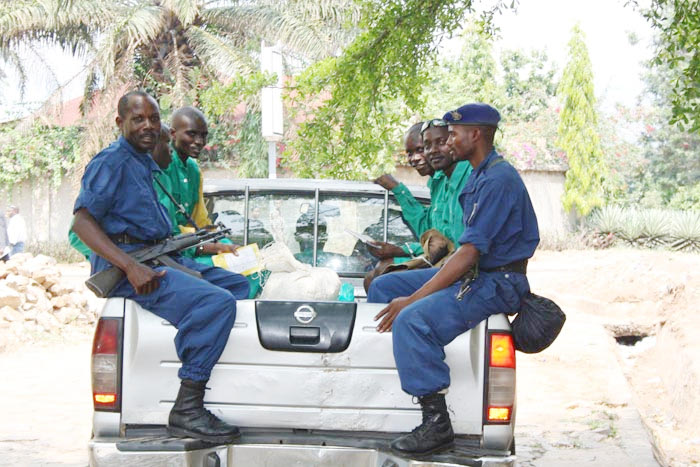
(490, 212)
(98, 188)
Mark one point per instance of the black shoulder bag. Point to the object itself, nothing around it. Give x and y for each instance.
(537, 324)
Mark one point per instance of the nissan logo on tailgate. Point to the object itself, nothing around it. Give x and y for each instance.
(305, 314)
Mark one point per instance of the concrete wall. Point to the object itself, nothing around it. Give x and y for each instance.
(48, 210)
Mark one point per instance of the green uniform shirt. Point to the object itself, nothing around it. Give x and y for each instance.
(444, 213)
(181, 179)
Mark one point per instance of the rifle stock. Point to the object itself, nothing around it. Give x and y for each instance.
(104, 282)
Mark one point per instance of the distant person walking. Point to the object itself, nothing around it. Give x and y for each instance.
(16, 230)
(4, 243)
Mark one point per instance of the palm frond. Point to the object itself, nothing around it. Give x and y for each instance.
(219, 55)
(185, 10)
(138, 25)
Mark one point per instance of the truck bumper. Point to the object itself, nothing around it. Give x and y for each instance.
(281, 449)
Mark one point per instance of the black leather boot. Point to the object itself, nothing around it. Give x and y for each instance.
(433, 435)
(189, 419)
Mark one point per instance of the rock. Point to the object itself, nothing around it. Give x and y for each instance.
(51, 280)
(9, 296)
(42, 274)
(17, 282)
(79, 299)
(21, 258)
(67, 315)
(60, 289)
(43, 260)
(48, 321)
(3, 270)
(10, 314)
(30, 314)
(61, 301)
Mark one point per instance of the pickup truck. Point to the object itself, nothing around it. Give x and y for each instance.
(310, 383)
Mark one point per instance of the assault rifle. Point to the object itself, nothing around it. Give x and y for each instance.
(103, 282)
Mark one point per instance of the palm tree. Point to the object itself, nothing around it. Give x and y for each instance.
(158, 43)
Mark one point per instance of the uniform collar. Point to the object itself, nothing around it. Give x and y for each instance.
(143, 157)
(176, 157)
(492, 155)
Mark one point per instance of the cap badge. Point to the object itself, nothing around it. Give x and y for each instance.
(456, 115)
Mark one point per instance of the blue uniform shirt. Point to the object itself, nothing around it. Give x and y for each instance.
(117, 190)
(498, 216)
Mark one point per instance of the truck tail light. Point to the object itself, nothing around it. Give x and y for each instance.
(501, 383)
(106, 365)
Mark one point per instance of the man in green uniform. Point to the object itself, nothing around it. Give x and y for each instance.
(444, 213)
(183, 180)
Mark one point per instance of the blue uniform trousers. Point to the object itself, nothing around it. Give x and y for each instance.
(422, 329)
(203, 311)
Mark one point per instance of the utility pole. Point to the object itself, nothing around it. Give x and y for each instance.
(272, 113)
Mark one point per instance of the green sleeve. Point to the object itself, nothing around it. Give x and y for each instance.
(165, 200)
(412, 248)
(78, 244)
(413, 212)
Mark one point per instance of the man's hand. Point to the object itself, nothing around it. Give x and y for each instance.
(384, 250)
(390, 313)
(216, 248)
(144, 279)
(387, 181)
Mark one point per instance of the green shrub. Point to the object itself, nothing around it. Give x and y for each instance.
(645, 228)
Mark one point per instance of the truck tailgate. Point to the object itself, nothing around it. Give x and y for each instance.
(354, 389)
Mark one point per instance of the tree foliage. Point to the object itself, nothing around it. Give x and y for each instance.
(166, 46)
(355, 106)
(678, 49)
(521, 84)
(578, 131)
(43, 151)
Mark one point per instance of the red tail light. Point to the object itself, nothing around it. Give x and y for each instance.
(502, 351)
(501, 382)
(106, 365)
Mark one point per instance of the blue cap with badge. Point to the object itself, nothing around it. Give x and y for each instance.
(473, 114)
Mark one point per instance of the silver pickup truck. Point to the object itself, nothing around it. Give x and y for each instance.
(319, 392)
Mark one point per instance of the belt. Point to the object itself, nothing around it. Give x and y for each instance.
(127, 239)
(516, 266)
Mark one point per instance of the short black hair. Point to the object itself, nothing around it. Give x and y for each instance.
(489, 132)
(415, 128)
(187, 112)
(123, 104)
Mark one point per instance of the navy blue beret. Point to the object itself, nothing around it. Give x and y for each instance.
(473, 114)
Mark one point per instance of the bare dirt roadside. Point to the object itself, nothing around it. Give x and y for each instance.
(575, 406)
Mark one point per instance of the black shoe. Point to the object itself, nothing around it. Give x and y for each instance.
(189, 419)
(433, 435)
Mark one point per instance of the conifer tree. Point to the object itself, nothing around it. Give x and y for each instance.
(578, 131)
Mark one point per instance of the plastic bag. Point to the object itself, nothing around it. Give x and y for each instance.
(537, 324)
(291, 279)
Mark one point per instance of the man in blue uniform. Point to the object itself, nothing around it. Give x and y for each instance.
(117, 211)
(429, 308)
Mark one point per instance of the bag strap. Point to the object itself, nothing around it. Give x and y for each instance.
(180, 208)
(495, 161)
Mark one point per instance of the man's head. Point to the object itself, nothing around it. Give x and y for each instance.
(435, 145)
(413, 143)
(161, 153)
(471, 127)
(138, 119)
(189, 131)
(11, 211)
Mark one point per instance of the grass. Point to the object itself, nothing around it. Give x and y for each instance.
(62, 252)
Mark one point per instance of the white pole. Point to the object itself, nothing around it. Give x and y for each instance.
(271, 105)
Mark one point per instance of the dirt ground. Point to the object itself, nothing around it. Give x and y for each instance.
(585, 401)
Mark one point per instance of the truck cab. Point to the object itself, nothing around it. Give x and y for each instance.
(308, 382)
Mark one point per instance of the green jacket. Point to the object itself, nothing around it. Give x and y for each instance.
(444, 212)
